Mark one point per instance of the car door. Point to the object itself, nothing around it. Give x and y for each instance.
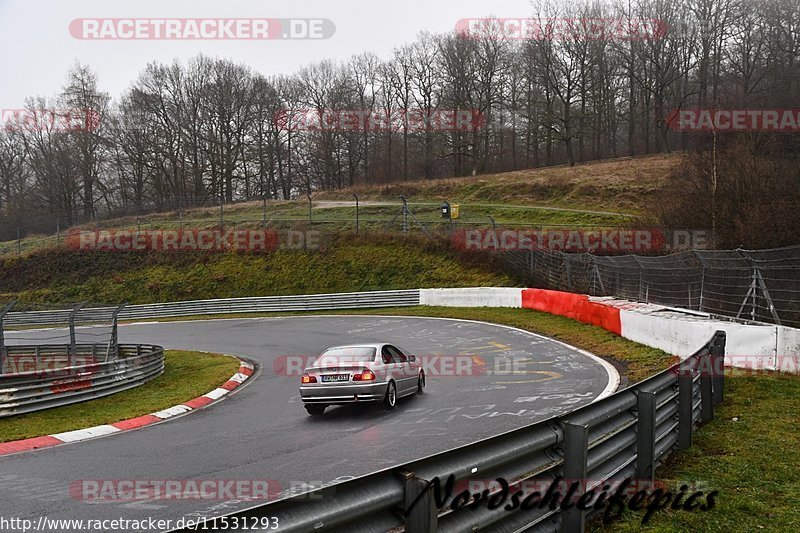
(392, 368)
(408, 376)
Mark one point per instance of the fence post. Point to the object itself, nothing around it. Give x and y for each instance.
(646, 435)
(423, 516)
(717, 355)
(641, 278)
(494, 226)
(702, 277)
(356, 197)
(753, 300)
(568, 272)
(310, 222)
(685, 404)
(221, 212)
(19, 243)
(405, 213)
(596, 275)
(576, 450)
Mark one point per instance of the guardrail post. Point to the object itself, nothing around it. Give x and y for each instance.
(717, 355)
(423, 516)
(3, 313)
(685, 404)
(72, 343)
(576, 452)
(113, 342)
(646, 435)
(706, 389)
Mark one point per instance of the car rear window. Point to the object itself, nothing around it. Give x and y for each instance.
(357, 354)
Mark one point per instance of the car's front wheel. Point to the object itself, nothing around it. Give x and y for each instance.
(390, 400)
(315, 409)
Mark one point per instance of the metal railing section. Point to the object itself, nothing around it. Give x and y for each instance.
(56, 375)
(626, 435)
(258, 304)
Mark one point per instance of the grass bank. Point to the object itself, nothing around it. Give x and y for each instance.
(186, 376)
(341, 265)
(748, 454)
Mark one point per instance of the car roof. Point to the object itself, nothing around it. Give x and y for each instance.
(376, 345)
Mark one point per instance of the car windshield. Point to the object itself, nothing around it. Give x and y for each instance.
(352, 354)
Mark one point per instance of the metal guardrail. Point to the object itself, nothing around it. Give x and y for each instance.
(626, 435)
(57, 375)
(258, 304)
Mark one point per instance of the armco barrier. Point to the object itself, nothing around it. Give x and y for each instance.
(258, 304)
(575, 306)
(625, 435)
(50, 384)
(472, 297)
(675, 331)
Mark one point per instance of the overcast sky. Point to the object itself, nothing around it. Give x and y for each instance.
(37, 49)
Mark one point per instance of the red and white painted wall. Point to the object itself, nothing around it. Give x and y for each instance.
(678, 332)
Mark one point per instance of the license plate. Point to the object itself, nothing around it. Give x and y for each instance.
(336, 377)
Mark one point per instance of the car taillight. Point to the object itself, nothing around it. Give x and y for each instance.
(366, 375)
(308, 379)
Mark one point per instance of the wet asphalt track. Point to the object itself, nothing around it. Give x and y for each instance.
(262, 431)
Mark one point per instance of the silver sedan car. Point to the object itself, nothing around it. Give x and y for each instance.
(360, 373)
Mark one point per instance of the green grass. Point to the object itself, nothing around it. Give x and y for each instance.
(753, 462)
(186, 376)
(343, 265)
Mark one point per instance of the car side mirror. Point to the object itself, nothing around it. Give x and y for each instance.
(412, 358)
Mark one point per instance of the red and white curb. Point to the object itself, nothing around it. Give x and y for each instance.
(245, 371)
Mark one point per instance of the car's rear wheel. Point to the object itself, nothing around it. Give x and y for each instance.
(421, 383)
(315, 409)
(390, 400)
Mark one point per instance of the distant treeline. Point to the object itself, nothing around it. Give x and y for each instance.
(190, 133)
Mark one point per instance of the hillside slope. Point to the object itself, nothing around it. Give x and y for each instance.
(62, 276)
(619, 185)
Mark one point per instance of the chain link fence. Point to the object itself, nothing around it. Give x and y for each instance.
(756, 285)
(395, 216)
